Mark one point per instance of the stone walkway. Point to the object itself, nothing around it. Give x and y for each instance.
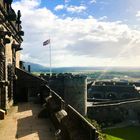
(22, 123)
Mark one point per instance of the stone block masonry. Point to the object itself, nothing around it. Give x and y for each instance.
(113, 113)
(73, 89)
(75, 93)
(72, 125)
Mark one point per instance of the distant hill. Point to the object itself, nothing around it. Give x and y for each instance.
(40, 68)
(36, 67)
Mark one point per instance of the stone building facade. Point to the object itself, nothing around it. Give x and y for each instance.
(10, 42)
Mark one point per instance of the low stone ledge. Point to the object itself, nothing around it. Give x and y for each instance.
(60, 115)
(2, 114)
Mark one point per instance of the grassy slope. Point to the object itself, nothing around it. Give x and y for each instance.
(128, 133)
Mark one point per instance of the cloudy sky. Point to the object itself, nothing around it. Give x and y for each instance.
(82, 32)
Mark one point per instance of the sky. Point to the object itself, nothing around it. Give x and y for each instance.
(82, 32)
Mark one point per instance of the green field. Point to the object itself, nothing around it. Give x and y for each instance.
(128, 133)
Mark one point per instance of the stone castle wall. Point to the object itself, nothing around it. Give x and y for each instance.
(73, 89)
(72, 124)
(75, 93)
(115, 112)
(10, 40)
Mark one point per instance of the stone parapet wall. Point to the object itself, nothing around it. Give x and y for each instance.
(115, 112)
(73, 125)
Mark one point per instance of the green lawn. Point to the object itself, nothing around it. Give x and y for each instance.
(127, 133)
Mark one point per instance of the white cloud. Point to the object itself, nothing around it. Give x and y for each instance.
(103, 18)
(76, 9)
(67, 1)
(138, 14)
(59, 7)
(104, 2)
(27, 4)
(76, 41)
(93, 1)
(71, 8)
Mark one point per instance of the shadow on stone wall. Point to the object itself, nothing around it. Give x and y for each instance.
(72, 124)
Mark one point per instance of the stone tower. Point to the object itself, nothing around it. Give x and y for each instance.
(75, 93)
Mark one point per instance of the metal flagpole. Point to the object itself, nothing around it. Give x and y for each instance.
(50, 59)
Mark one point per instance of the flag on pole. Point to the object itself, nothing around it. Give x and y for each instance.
(46, 42)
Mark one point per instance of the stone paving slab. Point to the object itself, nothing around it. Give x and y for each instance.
(22, 123)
